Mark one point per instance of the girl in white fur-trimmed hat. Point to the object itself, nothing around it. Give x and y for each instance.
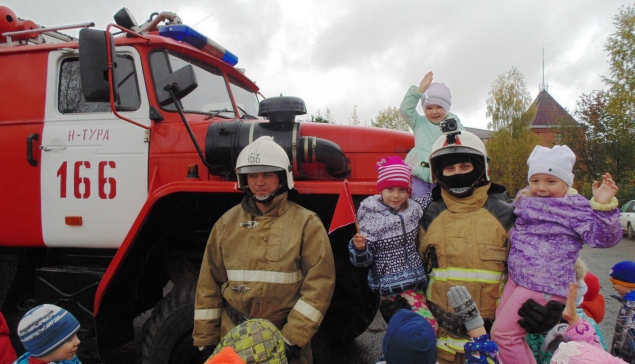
(553, 222)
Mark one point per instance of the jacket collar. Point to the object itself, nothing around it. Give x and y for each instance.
(278, 206)
(466, 204)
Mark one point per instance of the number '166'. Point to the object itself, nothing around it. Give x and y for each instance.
(81, 185)
(253, 158)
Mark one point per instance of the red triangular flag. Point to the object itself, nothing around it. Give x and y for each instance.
(344, 210)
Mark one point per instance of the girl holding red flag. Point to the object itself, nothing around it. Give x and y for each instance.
(389, 224)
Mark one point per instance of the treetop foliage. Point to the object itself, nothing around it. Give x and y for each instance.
(390, 118)
(508, 99)
(605, 142)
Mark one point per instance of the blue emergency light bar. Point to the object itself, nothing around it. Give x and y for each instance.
(184, 33)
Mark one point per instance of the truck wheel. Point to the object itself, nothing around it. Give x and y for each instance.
(321, 348)
(631, 232)
(167, 335)
(353, 307)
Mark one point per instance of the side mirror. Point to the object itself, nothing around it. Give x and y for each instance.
(93, 65)
(182, 82)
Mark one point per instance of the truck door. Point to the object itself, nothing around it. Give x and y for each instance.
(22, 80)
(94, 165)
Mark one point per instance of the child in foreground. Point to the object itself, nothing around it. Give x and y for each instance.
(578, 341)
(553, 222)
(409, 339)
(253, 341)
(389, 225)
(543, 346)
(49, 335)
(622, 276)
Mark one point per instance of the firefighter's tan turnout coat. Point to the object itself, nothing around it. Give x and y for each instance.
(277, 266)
(470, 238)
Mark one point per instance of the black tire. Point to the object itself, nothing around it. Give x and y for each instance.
(166, 337)
(630, 231)
(321, 348)
(353, 307)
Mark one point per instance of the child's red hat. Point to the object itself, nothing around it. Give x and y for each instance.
(593, 286)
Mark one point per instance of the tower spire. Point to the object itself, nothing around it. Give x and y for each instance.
(543, 86)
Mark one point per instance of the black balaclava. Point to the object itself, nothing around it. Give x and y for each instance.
(463, 184)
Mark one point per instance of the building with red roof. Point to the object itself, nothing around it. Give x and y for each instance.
(546, 117)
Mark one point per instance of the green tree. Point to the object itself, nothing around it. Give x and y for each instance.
(508, 154)
(318, 119)
(390, 118)
(507, 100)
(602, 144)
(327, 118)
(605, 144)
(354, 119)
(621, 50)
(512, 142)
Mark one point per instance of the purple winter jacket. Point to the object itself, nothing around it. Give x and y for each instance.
(548, 236)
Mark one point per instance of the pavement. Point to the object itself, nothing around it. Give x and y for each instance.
(366, 348)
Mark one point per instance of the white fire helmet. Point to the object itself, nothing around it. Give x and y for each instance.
(465, 142)
(262, 155)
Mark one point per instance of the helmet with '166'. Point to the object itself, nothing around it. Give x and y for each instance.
(263, 155)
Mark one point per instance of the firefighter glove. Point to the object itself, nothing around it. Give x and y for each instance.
(538, 319)
(206, 351)
(465, 307)
(292, 351)
(388, 307)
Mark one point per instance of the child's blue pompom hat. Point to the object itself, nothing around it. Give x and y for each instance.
(409, 339)
(45, 328)
(623, 273)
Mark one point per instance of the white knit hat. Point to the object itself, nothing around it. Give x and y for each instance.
(437, 94)
(557, 161)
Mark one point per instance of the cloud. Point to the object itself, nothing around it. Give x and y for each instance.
(367, 53)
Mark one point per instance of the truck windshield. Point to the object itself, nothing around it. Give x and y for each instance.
(211, 97)
(246, 100)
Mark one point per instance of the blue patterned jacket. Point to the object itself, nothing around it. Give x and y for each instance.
(391, 252)
(624, 337)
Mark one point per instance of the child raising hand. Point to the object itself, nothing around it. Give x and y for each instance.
(436, 100)
(579, 343)
(553, 222)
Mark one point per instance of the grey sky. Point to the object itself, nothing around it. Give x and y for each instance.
(339, 54)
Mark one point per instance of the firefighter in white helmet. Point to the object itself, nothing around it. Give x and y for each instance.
(465, 237)
(266, 258)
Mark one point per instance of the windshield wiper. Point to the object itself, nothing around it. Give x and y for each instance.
(246, 115)
(214, 113)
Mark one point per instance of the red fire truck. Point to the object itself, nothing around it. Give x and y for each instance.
(118, 150)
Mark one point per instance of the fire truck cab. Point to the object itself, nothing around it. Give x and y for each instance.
(118, 158)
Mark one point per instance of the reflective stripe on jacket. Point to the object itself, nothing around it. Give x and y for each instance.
(279, 268)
